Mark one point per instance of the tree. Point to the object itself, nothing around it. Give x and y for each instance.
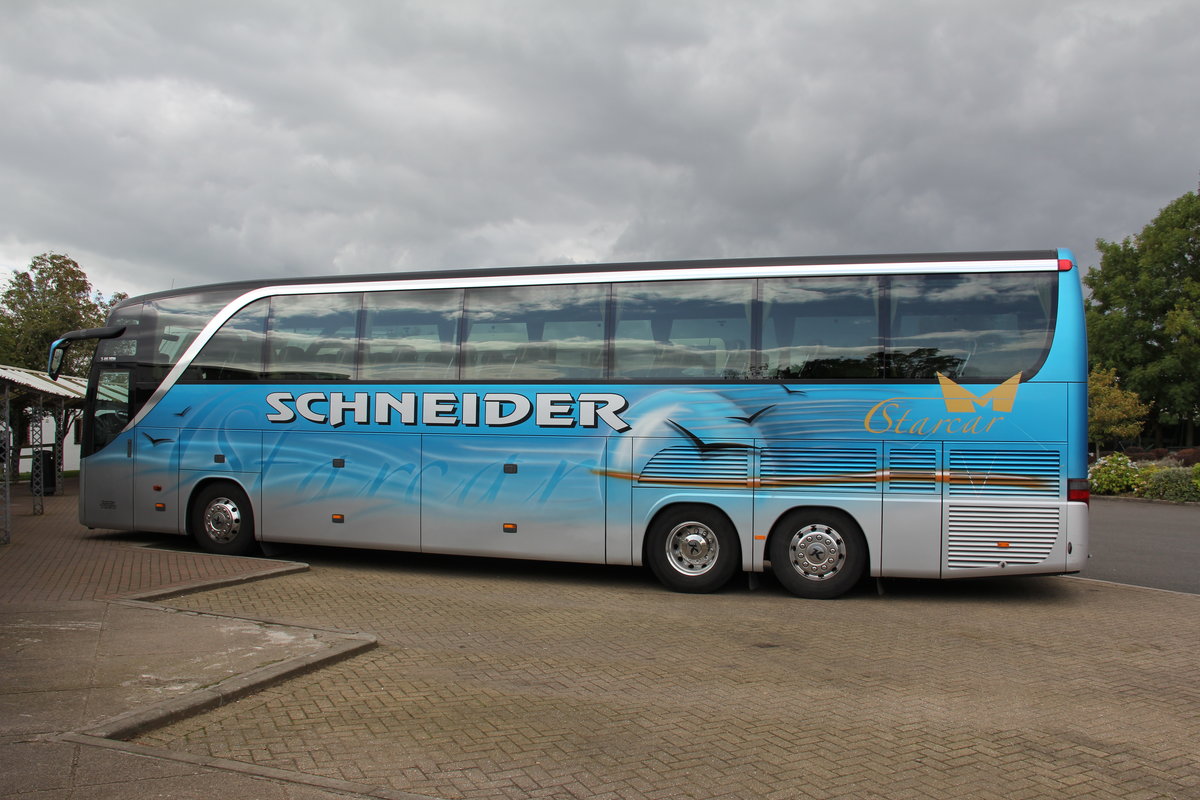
(1144, 313)
(52, 297)
(1114, 414)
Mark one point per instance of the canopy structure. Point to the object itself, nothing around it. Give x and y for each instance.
(31, 400)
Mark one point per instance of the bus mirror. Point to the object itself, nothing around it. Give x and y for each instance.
(58, 350)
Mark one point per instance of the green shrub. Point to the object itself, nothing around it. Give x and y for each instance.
(1176, 484)
(1115, 474)
(1196, 476)
(1146, 471)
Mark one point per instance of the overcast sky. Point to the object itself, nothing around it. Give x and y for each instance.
(167, 144)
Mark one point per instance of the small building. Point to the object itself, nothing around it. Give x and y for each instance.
(39, 435)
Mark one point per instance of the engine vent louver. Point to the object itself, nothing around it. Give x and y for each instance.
(1004, 473)
(688, 466)
(991, 536)
(825, 469)
(912, 471)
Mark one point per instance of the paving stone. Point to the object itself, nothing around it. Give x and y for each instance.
(498, 679)
(568, 682)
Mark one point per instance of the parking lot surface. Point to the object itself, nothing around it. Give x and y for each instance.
(512, 679)
(502, 679)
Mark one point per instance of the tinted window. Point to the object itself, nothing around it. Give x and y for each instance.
(124, 348)
(970, 326)
(535, 333)
(821, 328)
(411, 335)
(235, 353)
(177, 321)
(685, 329)
(112, 408)
(313, 337)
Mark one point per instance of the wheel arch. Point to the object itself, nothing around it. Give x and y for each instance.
(676, 505)
(818, 551)
(202, 484)
(780, 522)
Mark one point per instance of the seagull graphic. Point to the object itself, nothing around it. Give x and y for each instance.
(792, 391)
(750, 419)
(708, 447)
(181, 413)
(155, 442)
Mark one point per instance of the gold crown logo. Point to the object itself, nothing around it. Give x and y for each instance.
(964, 401)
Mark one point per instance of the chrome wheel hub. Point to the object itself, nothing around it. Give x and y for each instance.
(692, 548)
(817, 552)
(222, 520)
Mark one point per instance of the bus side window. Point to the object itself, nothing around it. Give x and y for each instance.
(821, 328)
(410, 336)
(313, 337)
(534, 333)
(235, 352)
(681, 329)
(979, 326)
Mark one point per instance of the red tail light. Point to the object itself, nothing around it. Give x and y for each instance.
(1065, 265)
(1078, 490)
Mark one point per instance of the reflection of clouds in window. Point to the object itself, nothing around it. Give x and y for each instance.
(989, 289)
(428, 306)
(531, 301)
(799, 291)
(683, 291)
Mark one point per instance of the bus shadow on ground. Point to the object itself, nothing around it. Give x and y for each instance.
(626, 578)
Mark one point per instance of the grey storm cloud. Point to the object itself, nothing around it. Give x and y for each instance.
(170, 144)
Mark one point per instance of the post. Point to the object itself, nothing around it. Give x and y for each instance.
(5, 467)
(37, 478)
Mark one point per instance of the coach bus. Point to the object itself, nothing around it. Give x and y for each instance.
(827, 419)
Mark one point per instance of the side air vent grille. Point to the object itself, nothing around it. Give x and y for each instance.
(1004, 473)
(825, 469)
(912, 471)
(983, 536)
(688, 466)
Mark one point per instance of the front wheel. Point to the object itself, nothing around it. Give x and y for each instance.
(693, 549)
(222, 520)
(818, 554)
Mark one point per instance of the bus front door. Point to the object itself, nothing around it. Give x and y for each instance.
(106, 474)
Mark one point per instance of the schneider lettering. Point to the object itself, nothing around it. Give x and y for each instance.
(469, 409)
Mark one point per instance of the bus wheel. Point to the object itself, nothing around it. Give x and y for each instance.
(818, 554)
(693, 549)
(222, 520)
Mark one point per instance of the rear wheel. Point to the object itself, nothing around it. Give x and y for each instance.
(693, 549)
(222, 520)
(818, 554)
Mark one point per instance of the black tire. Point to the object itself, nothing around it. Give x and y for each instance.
(818, 554)
(693, 549)
(222, 520)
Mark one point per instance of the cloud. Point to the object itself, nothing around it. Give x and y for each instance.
(174, 144)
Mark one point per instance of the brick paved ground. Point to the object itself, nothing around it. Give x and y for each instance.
(43, 564)
(69, 661)
(501, 679)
